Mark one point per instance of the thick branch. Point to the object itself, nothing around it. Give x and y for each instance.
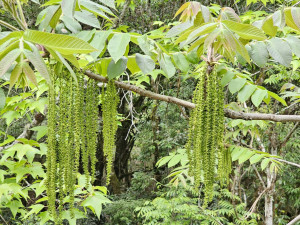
(228, 113)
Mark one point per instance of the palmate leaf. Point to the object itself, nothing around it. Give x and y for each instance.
(58, 42)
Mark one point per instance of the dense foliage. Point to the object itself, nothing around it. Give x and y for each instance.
(149, 112)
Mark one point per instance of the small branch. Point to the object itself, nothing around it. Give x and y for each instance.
(288, 162)
(258, 175)
(7, 25)
(251, 210)
(288, 136)
(27, 133)
(294, 221)
(228, 113)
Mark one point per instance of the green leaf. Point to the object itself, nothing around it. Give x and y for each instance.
(272, 94)
(236, 84)
(10, 116)
(96, 9)
(268, 26)
(258, 96)
(38, 62)
(178, 29)
(294, 43)
(62, 43)
(95, 203)
(280, 51)
(245, 156)
(205, 29)
(245, 31)
(265, 163)
(164, 160)
(7, 141)
(35, 209)
(116, 69)
(99, 42)
(167, 65)
(88, 18)
(29, 73)
(15, 74)
(259, 53)
(117, 45)
(14, 206)
(71, 24)
(256, 158)
(2, 99)
(145, 63)
(227, 77)
(68, 7)
(132, 65)
(2, 173)
(181, 62)
(41, 131)
(175, 160)
(8, 60)
(109, 3)
(246, 92)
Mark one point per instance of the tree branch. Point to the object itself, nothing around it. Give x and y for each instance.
(228, 112)
(288, 136)
(294, 221)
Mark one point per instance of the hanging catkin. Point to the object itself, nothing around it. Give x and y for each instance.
(110, 100)
(73, 128)
(205, 146)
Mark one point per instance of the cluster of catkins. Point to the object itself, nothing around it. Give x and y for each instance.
(205, 147)
(72, 131)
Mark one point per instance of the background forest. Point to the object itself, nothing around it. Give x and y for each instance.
(150, 181)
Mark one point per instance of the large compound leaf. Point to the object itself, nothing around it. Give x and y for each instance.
(117, 45)
(58, 42)
(259, 53)
(245, 31)
(280, 51)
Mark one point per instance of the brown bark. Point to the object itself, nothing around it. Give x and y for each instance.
(228, 113)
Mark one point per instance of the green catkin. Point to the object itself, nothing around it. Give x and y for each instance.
(110, 100)
(51, 153)
(78, 112)
(91, 124)
(205, 145)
